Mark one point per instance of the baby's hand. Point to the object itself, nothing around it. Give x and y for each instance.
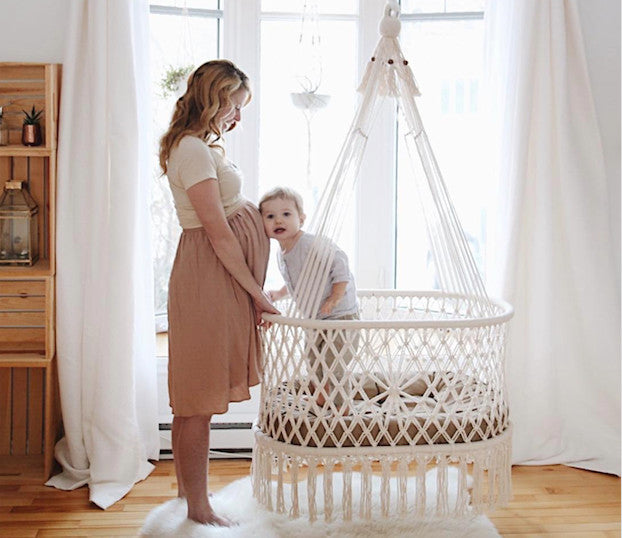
(328, 306)
(274, 295)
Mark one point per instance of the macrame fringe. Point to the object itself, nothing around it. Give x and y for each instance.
(401, 469)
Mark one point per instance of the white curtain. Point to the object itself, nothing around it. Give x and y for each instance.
(555, 251)
(105, 317)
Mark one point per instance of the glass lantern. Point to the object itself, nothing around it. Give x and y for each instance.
(19, 240)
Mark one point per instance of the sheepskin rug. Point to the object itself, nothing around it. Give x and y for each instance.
(236, 502)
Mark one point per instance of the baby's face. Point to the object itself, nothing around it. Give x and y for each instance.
(281, 219)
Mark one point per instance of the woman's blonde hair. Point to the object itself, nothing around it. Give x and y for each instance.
(209, 90)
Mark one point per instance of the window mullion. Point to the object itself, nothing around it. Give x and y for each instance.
(241, 38)
(375, 244)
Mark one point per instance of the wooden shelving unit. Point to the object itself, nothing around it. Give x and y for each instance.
(29, 403)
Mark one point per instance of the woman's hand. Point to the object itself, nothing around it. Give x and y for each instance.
(263, 304)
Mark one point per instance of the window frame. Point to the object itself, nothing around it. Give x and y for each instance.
(239, 27)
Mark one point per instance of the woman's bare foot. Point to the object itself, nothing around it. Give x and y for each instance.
(220, 521)
(210, 518)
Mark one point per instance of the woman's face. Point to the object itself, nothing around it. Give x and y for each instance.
(228, 116)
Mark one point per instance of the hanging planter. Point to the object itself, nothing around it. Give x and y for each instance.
(308, 77)
(31, 129)
(173, 79)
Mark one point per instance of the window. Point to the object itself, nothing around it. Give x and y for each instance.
(182, 34)
(446, 53)
(383, 238)
(298, 147)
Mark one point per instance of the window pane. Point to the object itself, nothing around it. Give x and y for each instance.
(343, 7)
(191, 4)
(442, 6)
(449, 80)
(176, 42)
(465, 5)
(284, 142)
(181, 40)
(423, 6)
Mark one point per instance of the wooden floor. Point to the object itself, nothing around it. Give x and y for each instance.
(549, 500)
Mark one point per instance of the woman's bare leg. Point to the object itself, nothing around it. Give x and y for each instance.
(175, 428)
(192, 455)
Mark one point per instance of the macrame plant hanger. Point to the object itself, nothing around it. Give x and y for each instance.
(421, 374)
(308, 76)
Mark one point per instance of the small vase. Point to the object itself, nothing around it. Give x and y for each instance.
(31, 134)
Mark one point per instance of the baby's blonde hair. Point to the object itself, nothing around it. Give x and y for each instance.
(283, 193)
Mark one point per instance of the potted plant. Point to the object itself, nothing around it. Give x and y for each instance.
(173, 78)
(31, 129)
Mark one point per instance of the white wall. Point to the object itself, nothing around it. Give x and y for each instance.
(600, 22)
(46, 23)
(33, 30)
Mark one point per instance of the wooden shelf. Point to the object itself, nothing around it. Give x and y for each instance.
(16, 272)
(30, 421)
(25, 151)
(24, 360)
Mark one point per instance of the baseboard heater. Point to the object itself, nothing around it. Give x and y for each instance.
(227, 440)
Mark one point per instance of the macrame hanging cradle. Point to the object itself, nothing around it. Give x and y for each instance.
(421, 375)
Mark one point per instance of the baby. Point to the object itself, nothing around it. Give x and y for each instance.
(283, 217)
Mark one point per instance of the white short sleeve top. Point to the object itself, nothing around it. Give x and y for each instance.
(193, 161)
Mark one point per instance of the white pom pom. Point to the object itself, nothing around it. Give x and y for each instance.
(392, 8)
(390, 24)
(390, 27)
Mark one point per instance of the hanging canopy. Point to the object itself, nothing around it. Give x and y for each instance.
(388, 74)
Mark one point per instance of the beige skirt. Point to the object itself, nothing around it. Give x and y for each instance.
(214, 344)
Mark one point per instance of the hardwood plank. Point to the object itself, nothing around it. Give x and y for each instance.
(35, 410)
(22, 338)
(20, 470)
(23, 360)
(18, 150)
(21, 71)
(22, 319)
(22, 287)
(38, 270)
(22, 302)
(5, 411)
(19, 417)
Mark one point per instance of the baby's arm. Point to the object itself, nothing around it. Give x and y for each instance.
(336, 294)
(275, 295)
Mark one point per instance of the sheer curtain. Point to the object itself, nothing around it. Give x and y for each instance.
(105, 318)
(555, 253)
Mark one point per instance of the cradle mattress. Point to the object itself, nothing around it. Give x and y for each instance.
(432, 409)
